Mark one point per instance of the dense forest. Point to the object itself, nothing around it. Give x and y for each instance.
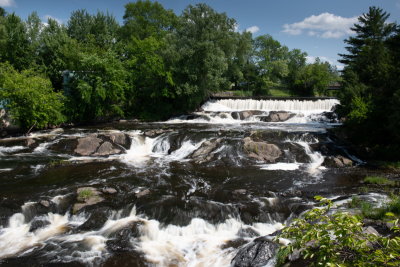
(155, 65)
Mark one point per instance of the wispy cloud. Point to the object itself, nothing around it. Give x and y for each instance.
(325, 25)
(47, 17)
(312, 59)
(253, 29)
(7, 3)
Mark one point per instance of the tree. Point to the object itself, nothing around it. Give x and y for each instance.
(370, 83)
(29, 98)
(100, 30)
(96, 88)
(143, 19)
(15, 44)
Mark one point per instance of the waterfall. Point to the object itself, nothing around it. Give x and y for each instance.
(319, 105)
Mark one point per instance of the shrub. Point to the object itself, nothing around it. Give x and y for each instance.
(29, 98)
(338, 239)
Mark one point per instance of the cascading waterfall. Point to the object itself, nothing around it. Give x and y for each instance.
(271, 105)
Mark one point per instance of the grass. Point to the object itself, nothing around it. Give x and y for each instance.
(85, 194)
(378, 180)
(279, 92)
(369, 211)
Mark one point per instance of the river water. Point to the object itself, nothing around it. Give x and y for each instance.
(168, 204)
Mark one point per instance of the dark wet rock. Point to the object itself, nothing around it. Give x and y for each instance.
(123, 239)
(109, 190)
(247, 232)
(106, 149)
(126, 259)
(337, 162)
(236, 243)
(156, 132)
(143, 193)
(255, 254)
(277, 116)
(243, 115)
(96, 220)
(380, 226)
(87, 196)
(67, 145)
(203, 153)
(38, 223)
(87, 145)
(261, 151)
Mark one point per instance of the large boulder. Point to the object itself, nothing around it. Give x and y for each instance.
(243, 115)
(337, 162)
(261, 151)
(203, 153)
(120, 139)
(255, 254)
(277, 116)
(87, 145)
(98, 145)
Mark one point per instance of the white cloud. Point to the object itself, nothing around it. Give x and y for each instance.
(312, 59)
(325, 25)
(6, 3)
(253, 29)
(236, 27)
(47, 17)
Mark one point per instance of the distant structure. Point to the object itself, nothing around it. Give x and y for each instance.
(334, 86)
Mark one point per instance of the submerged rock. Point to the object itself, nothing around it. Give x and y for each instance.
(255, 254)
(261, 151)
(122, 240)
(203, 153)
(277, 116)
(96, 220)
(243, 115)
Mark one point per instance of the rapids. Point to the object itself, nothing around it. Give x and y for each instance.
(184, 193)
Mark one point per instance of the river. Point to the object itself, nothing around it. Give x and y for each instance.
(190, 191)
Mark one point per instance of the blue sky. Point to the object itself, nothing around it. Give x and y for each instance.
(317, 27)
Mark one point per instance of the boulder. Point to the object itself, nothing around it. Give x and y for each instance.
(121, 241)
(203, 153)
(277, 116)
(243, 115)
(96, 220)
(87, 145)
(106, 149)
(261, 151)
(255, 254)
(109, 190)
(118, 138)
(38, 223)
(337, 162)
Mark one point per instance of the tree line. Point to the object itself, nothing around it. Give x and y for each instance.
(155, 65)
(370, 98)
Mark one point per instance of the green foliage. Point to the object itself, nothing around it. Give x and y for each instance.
(338, 239)
(85, 194)
(96, 89)
(378, 180)
(30, 98)
(370, 95)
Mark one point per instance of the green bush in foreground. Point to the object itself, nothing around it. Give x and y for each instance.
(338, 240)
